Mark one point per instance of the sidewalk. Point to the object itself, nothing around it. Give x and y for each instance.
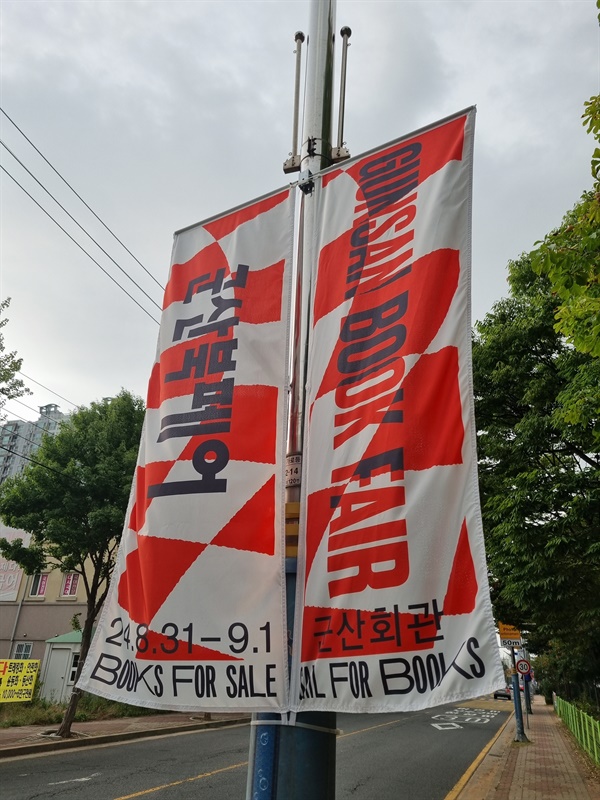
(549, 767)
(36, 739)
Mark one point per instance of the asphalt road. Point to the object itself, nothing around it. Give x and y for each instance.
(412, 756)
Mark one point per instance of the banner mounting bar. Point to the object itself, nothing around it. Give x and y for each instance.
(341, 153)
(293, 162)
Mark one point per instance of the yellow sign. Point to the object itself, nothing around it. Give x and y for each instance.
(17, 679)
(509, 635)
(508, 631)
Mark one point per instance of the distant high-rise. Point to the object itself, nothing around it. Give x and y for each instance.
(19, 440)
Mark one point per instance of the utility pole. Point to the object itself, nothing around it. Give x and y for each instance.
(520, 735)
(294, 758)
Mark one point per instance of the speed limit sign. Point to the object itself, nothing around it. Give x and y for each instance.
(523, 666)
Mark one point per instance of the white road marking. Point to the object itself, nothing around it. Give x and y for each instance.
(76, 780)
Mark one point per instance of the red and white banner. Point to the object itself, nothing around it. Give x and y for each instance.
(393, 588)
(195, 618)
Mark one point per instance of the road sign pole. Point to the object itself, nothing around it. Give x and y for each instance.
(527, 693)
(527, 684)
(524, 670)
(520, 732)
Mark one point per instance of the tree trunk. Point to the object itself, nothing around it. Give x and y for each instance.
(86, 639)
(65, 726)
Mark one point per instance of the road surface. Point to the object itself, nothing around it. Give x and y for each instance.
(411, 756)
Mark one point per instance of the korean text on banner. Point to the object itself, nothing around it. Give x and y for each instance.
(17, 679)
(393, 588)
(195, 617)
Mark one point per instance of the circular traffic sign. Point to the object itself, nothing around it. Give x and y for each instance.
(523, 666)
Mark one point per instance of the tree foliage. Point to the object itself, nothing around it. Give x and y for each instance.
(539, 471)
(73, 501)
(570, 257)
(569, 669)
(10, 386)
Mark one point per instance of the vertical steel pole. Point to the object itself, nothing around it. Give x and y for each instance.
(297, 761)
(527, 693)
(306, 765)
(316, 140)
(520, 732)
(526, 687)
(315, 155)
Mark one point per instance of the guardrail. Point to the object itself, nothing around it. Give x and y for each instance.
(584, 728)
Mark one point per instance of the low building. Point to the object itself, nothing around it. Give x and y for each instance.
(59, 667)
(35, 608)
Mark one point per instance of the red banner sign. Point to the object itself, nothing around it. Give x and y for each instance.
(393, 586)
(195, 618)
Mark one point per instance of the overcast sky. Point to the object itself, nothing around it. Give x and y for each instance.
(161, 114)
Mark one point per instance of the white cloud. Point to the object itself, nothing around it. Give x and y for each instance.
(164, 113)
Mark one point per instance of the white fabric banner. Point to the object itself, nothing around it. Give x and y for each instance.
(195, 617)
(392, 581)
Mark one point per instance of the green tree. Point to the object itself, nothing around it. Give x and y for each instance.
(73, 502)
(565, 668)
(537, 368)
(10, 387)
(539, 473)
(570, 257)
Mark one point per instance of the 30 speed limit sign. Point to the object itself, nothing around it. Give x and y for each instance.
(523, 666)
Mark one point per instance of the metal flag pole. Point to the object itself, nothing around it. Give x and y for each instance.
(296, 760)
(306, 764)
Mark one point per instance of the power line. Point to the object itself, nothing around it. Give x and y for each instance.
(28, 421)
(25, 439)
(78, 245)
(127, 275)
(33, 461)
(29, 441)
(70, 402)
(82, 200)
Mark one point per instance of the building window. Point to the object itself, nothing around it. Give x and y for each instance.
(74, 665)
(38, 585)
(22, 650)
(70, 584)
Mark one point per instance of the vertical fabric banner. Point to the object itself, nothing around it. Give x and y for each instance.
(393, 585)
(195, 617)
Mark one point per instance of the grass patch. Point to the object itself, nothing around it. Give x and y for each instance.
(93, 707)
(43, 712)
(33, 713)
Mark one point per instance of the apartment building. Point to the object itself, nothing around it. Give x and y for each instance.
(20, 439)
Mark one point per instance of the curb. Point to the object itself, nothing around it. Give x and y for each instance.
(42, 747)
(462, 783)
